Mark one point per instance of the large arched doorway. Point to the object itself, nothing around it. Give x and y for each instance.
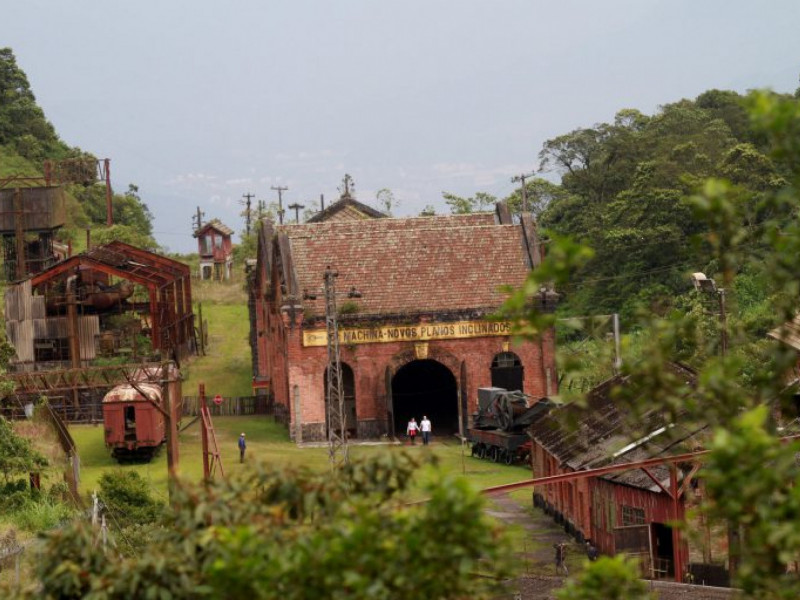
(425, 387)
(349, 388)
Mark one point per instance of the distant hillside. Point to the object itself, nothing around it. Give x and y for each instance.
(27, 139)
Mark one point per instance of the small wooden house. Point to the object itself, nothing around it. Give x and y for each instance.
(215, 248)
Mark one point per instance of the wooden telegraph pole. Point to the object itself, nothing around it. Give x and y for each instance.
(280, 191)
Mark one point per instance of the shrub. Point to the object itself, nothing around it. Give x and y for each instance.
(42, 515)
(127, 497)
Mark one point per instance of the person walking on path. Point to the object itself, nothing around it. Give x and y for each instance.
(591, 551)
(561, 558)
(425, 427)
(242, 448)
(412, 429)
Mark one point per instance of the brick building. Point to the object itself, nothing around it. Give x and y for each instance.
(215, 248)
(417, 341)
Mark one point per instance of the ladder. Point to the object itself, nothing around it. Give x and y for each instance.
(211, 456)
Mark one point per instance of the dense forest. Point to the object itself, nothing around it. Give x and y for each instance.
(27, 139)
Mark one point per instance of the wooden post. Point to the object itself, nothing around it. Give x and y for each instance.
(72, 332)
(171, 423)
(19, 234)
(201, 329)
(676, 518)
(202, 400)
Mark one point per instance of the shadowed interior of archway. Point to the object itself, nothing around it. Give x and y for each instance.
(425, 387)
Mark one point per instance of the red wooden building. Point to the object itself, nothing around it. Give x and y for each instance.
(215, 248)
(417, 341)
(628, 511)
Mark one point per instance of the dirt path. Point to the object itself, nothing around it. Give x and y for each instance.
(542, 533)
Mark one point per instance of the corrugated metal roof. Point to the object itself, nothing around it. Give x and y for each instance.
(599, 434)
(788, 333)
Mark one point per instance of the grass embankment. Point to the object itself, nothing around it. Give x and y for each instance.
(227, 368)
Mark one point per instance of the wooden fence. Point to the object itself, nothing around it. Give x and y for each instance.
(236, 406)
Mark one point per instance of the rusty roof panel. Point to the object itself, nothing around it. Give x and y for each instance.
(599, 435)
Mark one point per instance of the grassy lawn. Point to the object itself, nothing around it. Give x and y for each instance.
(269, 442)
(226, 369)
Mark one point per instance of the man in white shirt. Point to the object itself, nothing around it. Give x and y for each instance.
(425, 427)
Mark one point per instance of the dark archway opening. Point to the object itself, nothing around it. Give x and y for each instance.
(425, 387)
(507, 372)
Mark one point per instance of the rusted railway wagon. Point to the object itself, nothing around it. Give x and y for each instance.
(134, 427)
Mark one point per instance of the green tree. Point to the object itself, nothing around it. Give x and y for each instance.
(291, 534)
(459, 205)
(750, 475)
(606, 579)
(386, 201)
(124, 233)
(127, 209)
(23, 125)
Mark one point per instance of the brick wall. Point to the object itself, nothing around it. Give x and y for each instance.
(305, 374)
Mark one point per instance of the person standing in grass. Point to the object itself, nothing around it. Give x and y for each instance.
(425, 428)
(242, 447)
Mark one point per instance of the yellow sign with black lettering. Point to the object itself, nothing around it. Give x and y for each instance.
(410, 333)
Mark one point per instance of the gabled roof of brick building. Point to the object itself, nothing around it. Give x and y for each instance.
(346, 208)
(215, 224)
(411, 265)
(599, 434)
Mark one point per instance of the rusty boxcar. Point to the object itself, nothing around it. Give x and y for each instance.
(134, 427)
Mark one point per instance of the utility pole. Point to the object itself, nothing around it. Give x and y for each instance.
(708, 286)
(334, 394)
(337, 426)
(246, 203)
(109, 209)
(197, 220)
(522, 178)
(296, 208)
(280, 191)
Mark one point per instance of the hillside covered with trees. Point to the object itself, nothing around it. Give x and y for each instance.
(28, 139)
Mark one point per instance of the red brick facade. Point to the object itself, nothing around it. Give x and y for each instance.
(438, 271)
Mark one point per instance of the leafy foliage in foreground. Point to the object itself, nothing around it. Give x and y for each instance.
(607, 579)
(751, 476)
(293, 534)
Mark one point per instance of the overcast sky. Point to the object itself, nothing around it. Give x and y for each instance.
(201, 101)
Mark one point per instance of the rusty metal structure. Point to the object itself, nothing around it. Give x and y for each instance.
(30, 217)
(89, 286)
(32, 210)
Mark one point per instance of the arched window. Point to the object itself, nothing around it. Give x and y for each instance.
(507, 371)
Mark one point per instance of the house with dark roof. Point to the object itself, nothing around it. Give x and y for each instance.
(346, 208)
(215, 248)
(626, 511)
(419, 338)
